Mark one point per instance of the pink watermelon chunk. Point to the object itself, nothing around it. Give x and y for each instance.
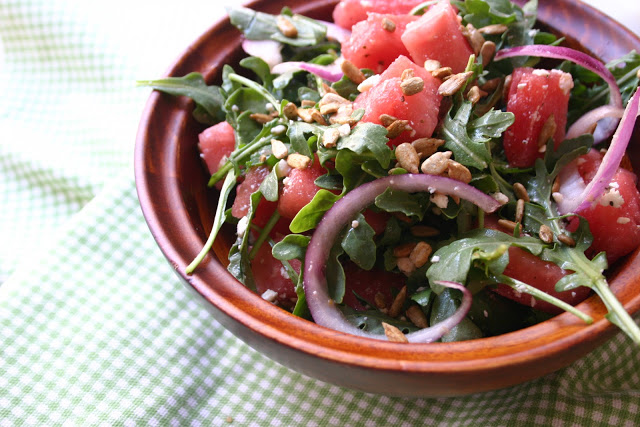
(533, 96)
(374, 47)
(216, 143)
(436, 35)
(298, 189)
(386, 97)
(347, 13)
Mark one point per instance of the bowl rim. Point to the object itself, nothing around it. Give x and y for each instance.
(299, 335)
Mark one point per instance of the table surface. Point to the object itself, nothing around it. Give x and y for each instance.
(96, 328)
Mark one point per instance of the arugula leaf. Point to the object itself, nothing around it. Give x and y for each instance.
(296, 133)
(263, 26)
(410, 204)
(334, 272)
(261, 68)
(292, 246)
(467, 151)
(359, 245)
(270, 186)
(239, 259)
(481, 13)
(490, 125)
(444, 305)
(456, 258)
(368, 138)
(310, 215)
(587, 272)
(329, 181)
(209, 99)
(371, 320)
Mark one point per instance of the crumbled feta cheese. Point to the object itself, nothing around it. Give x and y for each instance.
(269, 106)
(435, 258)
(235, 108)
(612, 197)
(558, 197)
(369, 83)
(277, 130)
(282, 168)
(540, 72)
(354, 224)
(500, 197)
(278, 149)
(269, 295)
(242, 226)
(344, 129)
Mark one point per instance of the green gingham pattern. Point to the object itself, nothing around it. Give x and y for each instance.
(95, 327)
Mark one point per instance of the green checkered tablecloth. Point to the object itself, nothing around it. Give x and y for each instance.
(95, 328)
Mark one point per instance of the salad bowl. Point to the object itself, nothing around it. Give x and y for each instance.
(179, 209)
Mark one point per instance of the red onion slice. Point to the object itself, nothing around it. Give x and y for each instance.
(267, 50)
(336, 32)
(331, 72)
(608, 167)
(580, 58)
(585, 123)
(322, 307)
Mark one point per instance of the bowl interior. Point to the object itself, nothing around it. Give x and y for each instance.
(178, 207)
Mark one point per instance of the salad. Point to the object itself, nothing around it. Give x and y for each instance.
(420, 171)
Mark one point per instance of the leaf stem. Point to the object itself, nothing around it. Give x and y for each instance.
(264, 234)
(519, 286)
(228, 184)
(258, 88)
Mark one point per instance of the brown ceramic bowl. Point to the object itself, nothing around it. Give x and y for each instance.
(178, 207)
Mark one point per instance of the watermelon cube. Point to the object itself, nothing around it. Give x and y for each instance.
(437, 35)
(347, 13)
(386, 97)
(533, 96)
(375, 43)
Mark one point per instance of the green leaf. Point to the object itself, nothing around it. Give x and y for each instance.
(292, 246)
(491, 125)
(334, 272)
(358, 243)
(270, 186)
(466, 150)
(371, 321)
(410, 204)
(329, 181)
(310, 215)
(259, 67)
(368, 138)
(456, 258)
(263, 26)
(297, 132)
(444, 306)
(209, 99)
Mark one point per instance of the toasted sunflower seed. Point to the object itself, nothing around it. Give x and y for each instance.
(352, 72)
(286, 27)
(417, 316)
(398, 302)
(388, 25)
(412, 86)
(454, 83)
(545, 234)
(493, 29)
(425, 147)
(407, 157)
(394, 334)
